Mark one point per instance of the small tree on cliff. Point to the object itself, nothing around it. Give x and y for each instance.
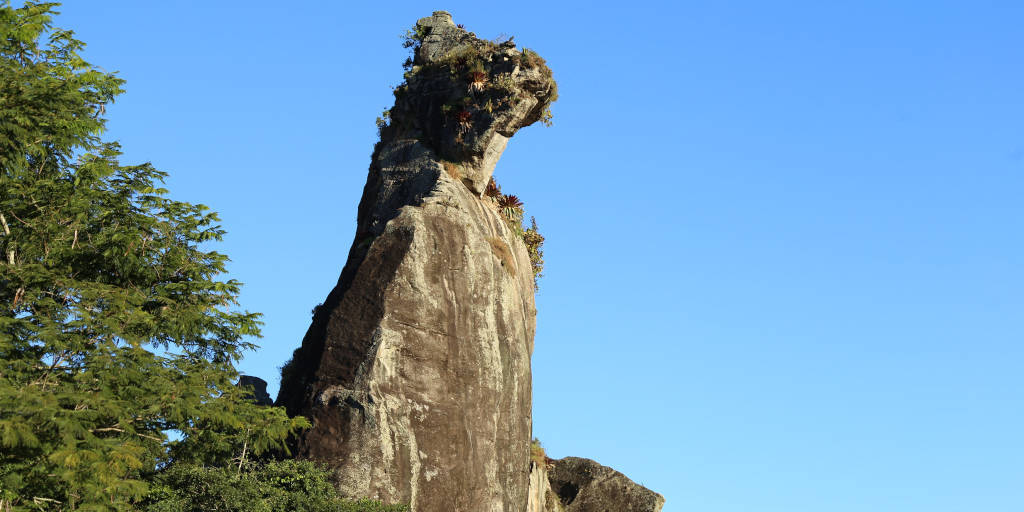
(114, 325)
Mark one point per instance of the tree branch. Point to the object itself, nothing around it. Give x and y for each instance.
(7, 233)
(121, 430)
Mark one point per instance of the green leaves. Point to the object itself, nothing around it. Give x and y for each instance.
(51, 97)
(115, 326)
(512, 210)
(298, 486)
(534, 241)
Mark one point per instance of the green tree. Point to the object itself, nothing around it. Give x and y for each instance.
(115, 327)
(289, 485)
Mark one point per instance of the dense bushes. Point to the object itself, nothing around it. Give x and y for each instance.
(116, 325)
(295, 486)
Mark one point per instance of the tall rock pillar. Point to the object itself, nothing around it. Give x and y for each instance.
(415, 372)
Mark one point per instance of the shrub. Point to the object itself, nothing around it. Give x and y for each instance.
(534, 240)
(291, 485)
(537, 454)
(116, 323)
(511, 209)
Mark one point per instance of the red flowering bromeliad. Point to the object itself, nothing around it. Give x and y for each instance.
(465, 119)
(477, 81)
(511, 207)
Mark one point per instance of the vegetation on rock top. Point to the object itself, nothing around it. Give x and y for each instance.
(450, 100)
(512, 210)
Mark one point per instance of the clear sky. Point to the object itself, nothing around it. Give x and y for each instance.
(783, 238)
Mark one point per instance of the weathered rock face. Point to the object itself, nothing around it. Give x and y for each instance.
(416, 369)
(541, 498)
(582, 485)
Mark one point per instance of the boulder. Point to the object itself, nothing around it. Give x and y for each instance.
(259, 389)
(583, 485)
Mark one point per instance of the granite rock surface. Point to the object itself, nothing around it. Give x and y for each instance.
(415, 372)
(583, 485)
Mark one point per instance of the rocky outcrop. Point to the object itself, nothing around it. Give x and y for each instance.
(415, 372)
(575, 484)
(258, 389)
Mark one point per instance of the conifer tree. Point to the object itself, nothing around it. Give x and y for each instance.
(115, 325)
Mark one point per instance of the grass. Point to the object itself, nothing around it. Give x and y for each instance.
(502, 251)
(452, 169)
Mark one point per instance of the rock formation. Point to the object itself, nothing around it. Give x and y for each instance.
(259, 389)
(575, 484)
(415, 372)
(540, 497)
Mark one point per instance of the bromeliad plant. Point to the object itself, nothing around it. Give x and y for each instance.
(534, 240)
(511, 209)
(477, 78)
(477, 81)
(465, 119)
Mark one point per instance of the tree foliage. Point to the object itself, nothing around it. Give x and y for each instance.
(115, 326)
(294, 486)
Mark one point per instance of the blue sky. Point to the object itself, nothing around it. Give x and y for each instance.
(783, 238)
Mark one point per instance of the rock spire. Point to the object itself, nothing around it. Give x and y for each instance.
(415, 372)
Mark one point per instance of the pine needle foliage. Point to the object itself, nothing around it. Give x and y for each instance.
(115, 327)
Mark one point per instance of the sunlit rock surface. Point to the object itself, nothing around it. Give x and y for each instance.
(415, 371)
